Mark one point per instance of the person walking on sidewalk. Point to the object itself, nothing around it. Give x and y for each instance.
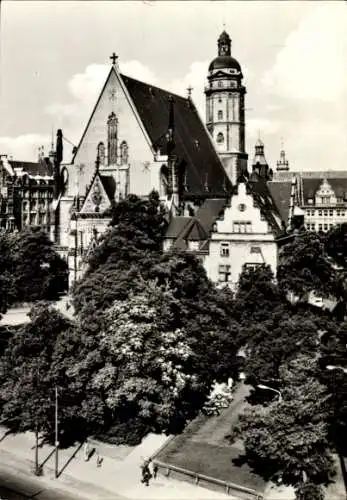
(154, 470)
(146, 473)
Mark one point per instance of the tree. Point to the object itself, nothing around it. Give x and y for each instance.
(289, 438)
(149, 376)
(39, 272)
(288, 332)
(7, 288)
(304, 266)
(257, 296)
(333, 353)
(124, 255)
(335, 243)
(26, 378)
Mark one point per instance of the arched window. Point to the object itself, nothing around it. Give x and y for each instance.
(164, 181)
(124, 153)
(220, 115)
(220, 138)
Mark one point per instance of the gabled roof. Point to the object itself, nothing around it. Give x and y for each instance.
(262, 195)
(196, 232)
(109, 185)
(311, 185)
(194, 149)
(176, 226)
(42, 168)
(209, 211)
(281, 194)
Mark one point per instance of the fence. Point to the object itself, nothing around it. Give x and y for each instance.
(197, 477)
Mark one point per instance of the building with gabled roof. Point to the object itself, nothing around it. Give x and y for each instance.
(26, 193)
(321, 196)
(227, 234)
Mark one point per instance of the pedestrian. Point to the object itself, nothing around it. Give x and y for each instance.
(146, 473)
(98, 459)
(86, 451)
(155, 471)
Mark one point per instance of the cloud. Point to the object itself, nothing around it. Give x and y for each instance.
(312, 64)
(262, 126)
(195, 78)
(24, 147)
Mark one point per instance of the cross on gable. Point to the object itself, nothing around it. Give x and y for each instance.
(189, 89)
(114, 58)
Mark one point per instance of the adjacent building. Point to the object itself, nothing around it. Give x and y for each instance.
(26, 193)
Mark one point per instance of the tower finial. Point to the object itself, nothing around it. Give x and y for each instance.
(189, 90)
(171, 127)
(52, 139)
(114, 59)
(282, 163)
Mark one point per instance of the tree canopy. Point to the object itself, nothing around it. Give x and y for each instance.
(288, 439)
(26, 377)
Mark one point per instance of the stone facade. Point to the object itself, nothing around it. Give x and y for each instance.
(241, 237)
(26, 194)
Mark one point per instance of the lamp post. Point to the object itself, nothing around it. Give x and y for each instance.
(265, 387)
(56, 434)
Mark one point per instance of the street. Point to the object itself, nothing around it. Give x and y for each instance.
(14, 486)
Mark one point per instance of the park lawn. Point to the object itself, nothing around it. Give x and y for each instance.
(214, 461)
(203, 448)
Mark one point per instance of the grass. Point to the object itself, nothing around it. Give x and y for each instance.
(203, 448)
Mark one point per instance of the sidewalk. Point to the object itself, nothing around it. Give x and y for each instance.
(118, 477)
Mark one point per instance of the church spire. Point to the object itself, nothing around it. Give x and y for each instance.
(282, 163)
(224, 44)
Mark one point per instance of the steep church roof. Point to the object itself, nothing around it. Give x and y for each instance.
(193, 146)
(281, 193)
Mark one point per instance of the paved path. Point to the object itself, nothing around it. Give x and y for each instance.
(116, 478)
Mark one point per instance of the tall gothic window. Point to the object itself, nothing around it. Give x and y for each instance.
(101, 153)
(112, 138)
(220, 138)
(164, 181)
(124, 153)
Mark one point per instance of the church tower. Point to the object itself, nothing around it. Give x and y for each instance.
(225, 109)
(282, 163)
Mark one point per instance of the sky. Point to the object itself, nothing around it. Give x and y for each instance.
(55, 58)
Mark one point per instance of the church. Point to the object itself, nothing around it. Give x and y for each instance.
(140, 137)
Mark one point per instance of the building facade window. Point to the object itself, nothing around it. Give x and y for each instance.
(325, 213)
(224, 273)
(225, 250)
(242, 227)
(193, 245)
(331, 213)
(220, 115)
(220, 84)
(220, 138)
(320, 213)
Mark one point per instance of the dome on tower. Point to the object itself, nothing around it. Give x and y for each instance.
(224, 62)
(224, 59)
